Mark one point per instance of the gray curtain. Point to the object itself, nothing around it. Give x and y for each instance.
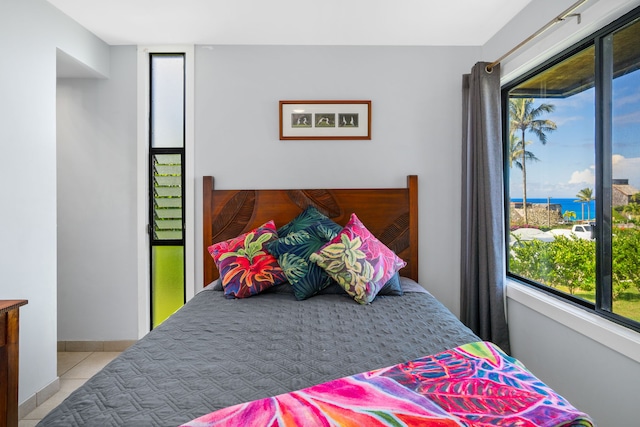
(482, 256)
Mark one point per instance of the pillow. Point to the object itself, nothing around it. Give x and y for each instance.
(358, 261)
(245, 267)
(293, 252)
(216, 285)
(392, 288)
(305, 219)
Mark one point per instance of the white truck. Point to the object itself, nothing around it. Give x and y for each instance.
(580, 231)
(583, 231)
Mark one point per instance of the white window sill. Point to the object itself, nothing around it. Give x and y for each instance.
(616, 337)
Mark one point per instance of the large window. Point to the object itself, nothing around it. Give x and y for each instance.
(572, 167)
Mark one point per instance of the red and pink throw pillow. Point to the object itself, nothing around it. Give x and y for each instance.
(245, 266)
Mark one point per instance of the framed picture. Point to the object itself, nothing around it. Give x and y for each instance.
(325, 119)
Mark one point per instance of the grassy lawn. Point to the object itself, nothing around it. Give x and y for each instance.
(533, 259)
(627, 305)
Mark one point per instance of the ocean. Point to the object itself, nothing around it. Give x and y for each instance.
(566, 205)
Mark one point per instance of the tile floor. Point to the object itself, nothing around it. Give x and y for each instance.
(74, 368)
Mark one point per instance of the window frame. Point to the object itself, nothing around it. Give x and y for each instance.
(602, 41)
(142, 181)
(162, 150)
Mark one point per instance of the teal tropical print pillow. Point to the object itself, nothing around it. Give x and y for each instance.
(246, 267)
(293, 251)
(305, 219)
(358, 261)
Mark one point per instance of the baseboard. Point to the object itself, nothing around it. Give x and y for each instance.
(94, 345)
(38, 399)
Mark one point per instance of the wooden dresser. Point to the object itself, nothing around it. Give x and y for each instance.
(9, 337)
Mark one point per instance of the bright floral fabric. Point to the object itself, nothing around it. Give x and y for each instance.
(473, 385)
(245, 266)
(358, 261)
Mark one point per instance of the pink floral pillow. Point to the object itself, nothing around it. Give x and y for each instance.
(358, 261)
(245, 267)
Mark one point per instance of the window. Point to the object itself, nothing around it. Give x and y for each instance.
(167, 184)
(572, 173)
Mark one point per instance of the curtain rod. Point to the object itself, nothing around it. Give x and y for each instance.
(561, 17)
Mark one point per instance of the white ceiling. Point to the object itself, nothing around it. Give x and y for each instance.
(293, 22)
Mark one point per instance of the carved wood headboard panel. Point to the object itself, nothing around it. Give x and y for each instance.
(391, 214)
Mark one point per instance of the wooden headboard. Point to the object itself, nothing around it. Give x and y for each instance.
(391, 214)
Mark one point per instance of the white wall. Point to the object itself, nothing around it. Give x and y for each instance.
(415, 93)
(96, 157)
(30, 32)
(416, 114)
(590, 361)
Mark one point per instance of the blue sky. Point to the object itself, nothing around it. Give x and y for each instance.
(567, 161)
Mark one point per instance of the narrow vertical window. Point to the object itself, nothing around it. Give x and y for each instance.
(166, 184)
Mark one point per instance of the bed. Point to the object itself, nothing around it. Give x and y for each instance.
(221, 360)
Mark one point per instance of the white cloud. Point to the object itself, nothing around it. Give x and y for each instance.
(626, 168)
(547, 186)
(586, 176)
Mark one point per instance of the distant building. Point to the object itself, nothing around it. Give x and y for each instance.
(621, 192)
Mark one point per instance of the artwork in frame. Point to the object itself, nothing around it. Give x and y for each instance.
(325, 120)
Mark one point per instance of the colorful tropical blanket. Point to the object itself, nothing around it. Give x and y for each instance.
(472, 385)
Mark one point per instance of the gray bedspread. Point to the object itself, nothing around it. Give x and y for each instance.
(215, 352)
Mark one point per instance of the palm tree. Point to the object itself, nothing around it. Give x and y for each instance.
(569, 215)
(515, 152)
(631, 209)
(523, 117)
(585, 196)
